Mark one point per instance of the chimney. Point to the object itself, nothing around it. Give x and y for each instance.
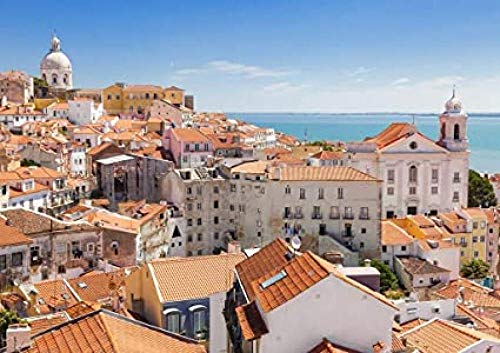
(367, 262)
(234, 247)
(18, 337)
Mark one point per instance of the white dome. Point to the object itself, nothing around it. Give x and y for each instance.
(55, 61)
(453, 105)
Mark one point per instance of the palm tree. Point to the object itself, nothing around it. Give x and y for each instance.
(475, 269)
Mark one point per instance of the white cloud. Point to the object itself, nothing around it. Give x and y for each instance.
(361, 70)
(233, 68)
(400, 81)
(284, 87)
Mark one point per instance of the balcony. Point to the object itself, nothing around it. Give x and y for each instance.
(364, 217)
(334, 216)
(317, 216)
(298, 215)
(348, 216)
(288, 215)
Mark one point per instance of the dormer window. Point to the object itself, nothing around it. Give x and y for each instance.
(29, 185)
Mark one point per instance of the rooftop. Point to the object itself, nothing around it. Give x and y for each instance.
(310, 173)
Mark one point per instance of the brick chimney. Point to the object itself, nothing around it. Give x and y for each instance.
(18, 337)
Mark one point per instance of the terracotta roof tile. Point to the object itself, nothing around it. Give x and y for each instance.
(103, 331)
(194, 277)
(325, 346)
(415, 266)
(55, 294)
(189, 135)
(471, 292)
(97, 286)
(392, 133)
(42, 323)
(11, 236)
(394, 235)
(251, 323)
(440, 336)
(322, 173)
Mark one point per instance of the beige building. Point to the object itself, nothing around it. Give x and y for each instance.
(16, 86)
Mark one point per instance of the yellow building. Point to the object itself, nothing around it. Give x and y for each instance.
(121, 98)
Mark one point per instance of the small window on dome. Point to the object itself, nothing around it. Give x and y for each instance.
(413, 145)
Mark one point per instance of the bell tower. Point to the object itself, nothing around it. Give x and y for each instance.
(453, 126)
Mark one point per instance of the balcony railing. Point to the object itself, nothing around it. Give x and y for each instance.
(364, 217)
(298, 215)
(287, 215)
(348, 216)
(317, 216)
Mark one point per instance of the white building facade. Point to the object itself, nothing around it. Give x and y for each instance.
(420, 175)
(82, 111)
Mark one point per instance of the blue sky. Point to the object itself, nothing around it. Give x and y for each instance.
(321, 56)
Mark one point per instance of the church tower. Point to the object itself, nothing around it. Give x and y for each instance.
(453, 126)
(56, 68)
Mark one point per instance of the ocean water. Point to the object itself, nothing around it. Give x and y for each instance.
(483, 130)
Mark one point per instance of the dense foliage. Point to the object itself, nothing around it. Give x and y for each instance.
(475, 269)
(388, 280)
(481, 193)
(7, 318)
(29, 163)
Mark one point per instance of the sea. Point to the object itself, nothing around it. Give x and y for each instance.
(483, 130)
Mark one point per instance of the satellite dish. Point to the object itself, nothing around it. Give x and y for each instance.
(296, 243)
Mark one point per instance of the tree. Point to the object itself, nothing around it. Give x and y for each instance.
(388, 280)
(29, 163)
(475, 269)
(481, 193)
(7, 318)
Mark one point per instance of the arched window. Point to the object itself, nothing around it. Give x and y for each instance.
(456, 132)
(54, 79)
(44, 77)
(413, 174)
(65, 79)
(173, 320)
(443, 130)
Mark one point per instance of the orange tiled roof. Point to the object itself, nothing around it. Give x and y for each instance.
(97, 286)
(189, 135)
(251, 323)
(323, 173)
(81, 308)
(415, 266)
(11, 236)
(394, 235)
(42, 323)
(38, 172)
(301, 273)
(440, 336)
(422, 221)
(407, 326)
(14, 192)
(471, 292)
(194, 277)
(328, 155)
(267, 259)
(252, 167)
(392, 133)
(55, 293)
(325, 346)
(103, 331)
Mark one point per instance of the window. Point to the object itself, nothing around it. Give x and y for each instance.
(384, 248)
(434, 190)
(361, 245)
(482, 238)
(302, 194)
(216, 204)
(200, 236)
(403, 248)
(216, 189)
(316, 212)
(3, 262)
(435, 175)
(199, 321)
(189, 191)
(321, 193)
(189, 222)
(189, 238)
(475, 225)
(412, 190)
(216, 235)
(363, 213)
(413, 145)
(456, 177)
(413, 174)
(199, 252)
(348, 213)
(456, 132)
(198, 206)
(363, 230)
(231, 207)
(288, 190)
(476, 253)
(198, 221)
(340, 193)
(216, 220)
(390, 176)
(334, 212)
(390, 190)
(233, 188)
(474, 239)
(17, 259)
(173, 322)
(456, 196)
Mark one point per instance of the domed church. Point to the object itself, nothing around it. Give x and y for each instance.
(56, 68)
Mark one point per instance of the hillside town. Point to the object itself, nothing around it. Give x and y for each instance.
(131, 222)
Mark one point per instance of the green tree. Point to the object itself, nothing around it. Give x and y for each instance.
(7, 318)
(475, 269)
(481, 193)
(388, 280)
(29, 163)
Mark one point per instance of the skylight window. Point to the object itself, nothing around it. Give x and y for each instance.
(277, 277)
(82, 285)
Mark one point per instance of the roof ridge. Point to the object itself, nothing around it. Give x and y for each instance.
(108, 334)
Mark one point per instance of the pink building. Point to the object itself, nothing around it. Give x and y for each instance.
(188, 146)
